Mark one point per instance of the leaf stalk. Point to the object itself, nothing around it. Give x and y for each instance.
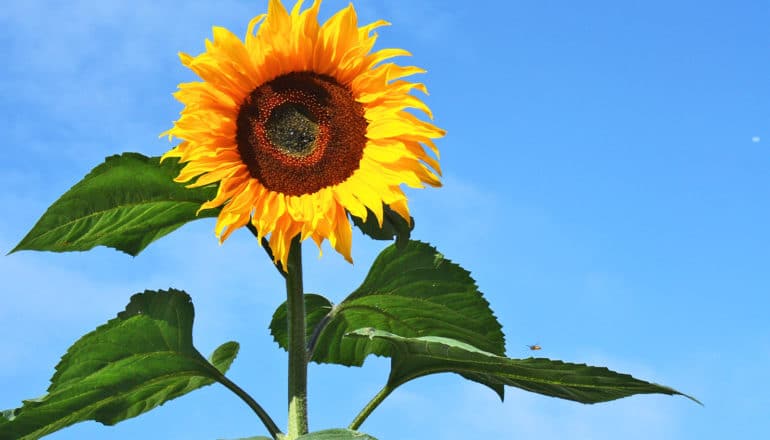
(371, 406)
(275, 432)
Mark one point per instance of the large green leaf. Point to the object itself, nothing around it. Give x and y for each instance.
(415, 357)
(412, 291)
(125, 203)
(141, 359)
(336, 434)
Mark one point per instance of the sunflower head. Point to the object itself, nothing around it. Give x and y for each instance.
(301, 125)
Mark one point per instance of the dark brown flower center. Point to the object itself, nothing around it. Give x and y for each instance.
(301, 132)
(292, 129)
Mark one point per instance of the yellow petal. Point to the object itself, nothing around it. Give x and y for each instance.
(278, 43)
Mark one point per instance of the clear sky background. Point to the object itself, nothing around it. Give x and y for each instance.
(607, 182)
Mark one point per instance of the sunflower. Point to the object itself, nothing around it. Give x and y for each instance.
(301, 125)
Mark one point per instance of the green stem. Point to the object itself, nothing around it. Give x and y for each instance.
(374, 403)
(295, 308)
(275, 432)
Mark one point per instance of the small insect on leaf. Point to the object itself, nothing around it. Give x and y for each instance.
(438, 259)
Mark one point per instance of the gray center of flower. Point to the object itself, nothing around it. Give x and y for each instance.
(292, 129)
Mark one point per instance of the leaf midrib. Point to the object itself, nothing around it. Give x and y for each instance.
(428, 371)
(116, 208)
(195, 357)
(76, 414)
(442, 307)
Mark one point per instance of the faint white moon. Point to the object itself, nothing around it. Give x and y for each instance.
(755, 139)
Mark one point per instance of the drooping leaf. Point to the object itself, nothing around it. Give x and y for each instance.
(336, 434)
(414, 292)
(125, 203)
(415, 357)
(393, 226)
(141, 359)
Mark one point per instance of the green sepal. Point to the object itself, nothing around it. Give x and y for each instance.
(125, 203)
(135, 362)
(393, 226)
(415, 357)
(413, 291)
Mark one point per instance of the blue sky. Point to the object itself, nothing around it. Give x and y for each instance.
(607, 182)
